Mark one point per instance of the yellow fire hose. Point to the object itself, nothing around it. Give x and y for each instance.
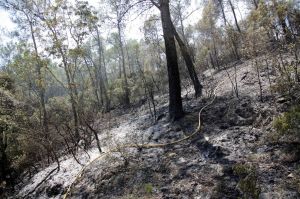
(146, 146)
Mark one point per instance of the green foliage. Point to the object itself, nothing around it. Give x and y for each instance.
(289, 122)
(116, 91)
(287, 83)
(260, 17)
(148, 188)
(6, 82)
(59, 110)
(11, 127)
(248, 181)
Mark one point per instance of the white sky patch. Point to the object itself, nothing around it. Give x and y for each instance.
(5, 22)
(6, 26)
(134, 22)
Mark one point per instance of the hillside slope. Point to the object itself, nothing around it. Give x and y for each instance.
(234, 155)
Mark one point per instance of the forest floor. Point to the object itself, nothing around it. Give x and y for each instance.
(236, 153)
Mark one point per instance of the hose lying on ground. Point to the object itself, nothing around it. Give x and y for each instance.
(145, 146)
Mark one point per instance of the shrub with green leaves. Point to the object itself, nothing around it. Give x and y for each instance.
(248, 182)
(289, 122)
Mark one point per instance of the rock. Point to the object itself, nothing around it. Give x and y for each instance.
(291, 176)
(156, 135)
(181, 160)
(282, 100)
(171, 155)
(209, 72)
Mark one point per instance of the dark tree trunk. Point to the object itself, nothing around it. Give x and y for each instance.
(189, 64)
(223, 12)
(234, 15)
(286, 31)
(175, 101)
(255, 2)
(212, 60)
(96, 136)
(4, 163)
(216, 53)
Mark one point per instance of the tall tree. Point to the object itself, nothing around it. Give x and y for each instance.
(175, 101)
(26, 8)
(58, 25)
(119, 11)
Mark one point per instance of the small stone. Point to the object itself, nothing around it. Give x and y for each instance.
(282, 100)
(181, 160)
(291, 176)
(171, 155)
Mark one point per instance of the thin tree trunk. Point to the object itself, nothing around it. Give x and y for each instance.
(96, 136)
(215, 52)
(212, 60)
(259, 81)
(94, 84)
(40, 82)
(125, 84)
(99, 71)
(255, 3)
(269, 79)
(189, 64)
(234, 15)
(72, 93)
(223, 12)
(148, 91)
(70, 84)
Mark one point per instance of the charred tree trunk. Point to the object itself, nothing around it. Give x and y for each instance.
(96, 136)
(212, 60)
(175, 101)
(189, 64)
(4, 163)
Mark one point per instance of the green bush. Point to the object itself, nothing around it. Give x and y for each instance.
(148, 188)
(247, 180)
(289, 122)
